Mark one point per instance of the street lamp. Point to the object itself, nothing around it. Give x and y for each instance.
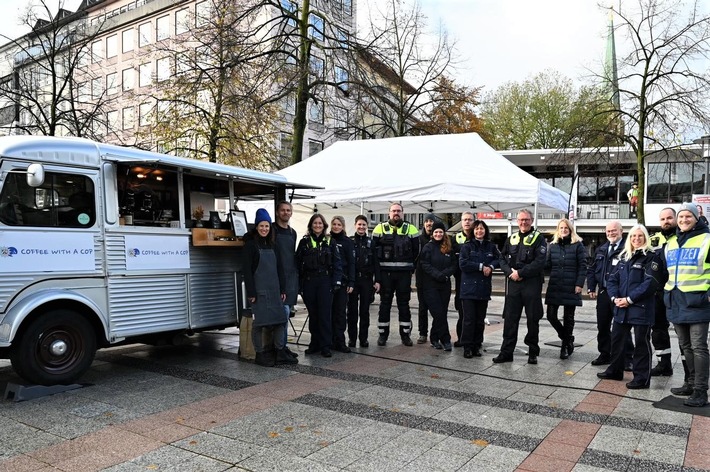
(704, 142)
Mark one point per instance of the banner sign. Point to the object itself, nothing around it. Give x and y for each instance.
(145, 252)
(703, 204)
(489, 215)
(22, 251)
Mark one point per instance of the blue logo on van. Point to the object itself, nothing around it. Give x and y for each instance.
(133, 252)
(7, 251)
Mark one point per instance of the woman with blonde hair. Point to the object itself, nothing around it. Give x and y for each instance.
(567, 262)
(632, 287)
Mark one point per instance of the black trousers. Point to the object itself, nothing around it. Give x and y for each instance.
(338, 316)
(359, 308)
(423, 313)
(566, 327)
(395, 282)
(458, 305)
(438, 301)
(660, 337)
(641, 353)
(605, 316)
(474, 322)
(318, 297)
(526, 294)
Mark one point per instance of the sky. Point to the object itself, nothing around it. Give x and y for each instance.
(497, 40)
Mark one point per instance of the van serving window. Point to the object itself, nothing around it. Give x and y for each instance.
(63, 200)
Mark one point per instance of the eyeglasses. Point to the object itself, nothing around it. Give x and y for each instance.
(523, 220)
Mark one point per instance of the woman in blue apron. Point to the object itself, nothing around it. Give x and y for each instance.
(265, 293)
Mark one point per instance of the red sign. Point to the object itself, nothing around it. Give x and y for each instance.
(489, 215)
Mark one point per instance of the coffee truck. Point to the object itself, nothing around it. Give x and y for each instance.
(98, 246)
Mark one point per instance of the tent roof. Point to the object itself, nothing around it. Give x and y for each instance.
(441, 173)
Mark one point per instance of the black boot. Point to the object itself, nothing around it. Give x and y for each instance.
(283, 357)
(683, 390)
(664, 367)
(570, 345)
(265, 359)
(564, 350)
(698, 398)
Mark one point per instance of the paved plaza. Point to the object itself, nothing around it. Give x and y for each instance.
(198, 407)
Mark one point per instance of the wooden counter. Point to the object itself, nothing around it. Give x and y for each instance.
(215, 237)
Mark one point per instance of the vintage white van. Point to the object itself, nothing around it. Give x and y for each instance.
(97, 247)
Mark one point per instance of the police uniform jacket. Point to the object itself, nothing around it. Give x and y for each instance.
(474, 256)
(525, 252)
(346, 248)
(318, 256)
(567, 263)
(637, 280)
(437, 267)
(366, 263)
(686, 307)
(397, 246)
(603, 264)
(419, 272)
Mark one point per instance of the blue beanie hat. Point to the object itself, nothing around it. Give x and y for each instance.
(262, 215)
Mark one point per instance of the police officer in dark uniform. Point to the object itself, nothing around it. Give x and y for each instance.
(397, 244)
(367, 282)
(605, 260)
(346, 249)
(423, 310)
(320, 274)
(523, 262)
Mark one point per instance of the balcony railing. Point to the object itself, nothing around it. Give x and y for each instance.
(602, 211)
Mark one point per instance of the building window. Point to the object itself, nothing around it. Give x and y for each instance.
(144, 113)
(340, 117)
(202, 14)
(314, 147)
(144, 35)
(112, 46)
(112, 83)
(127, 40)
(162, 28)
(182, 63)
(342, 38)
(341, 78)
(290, 104)
(286, 141)
(317, 66)
(128, 79)
(346, 6)
(315, 26)
(83, 92)
(162, 72)
(144, 74)
(97, 88)
(290, 9)
(112, 121)
(128, 119)
(315, 114)
(182, 21)
(674, 182)
(97, 51)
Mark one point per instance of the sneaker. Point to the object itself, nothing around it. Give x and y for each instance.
(502, 358)
(382, 340)
(447, 346)
(407, 341)
(421, 340)
(468, 353)
(437, 345)
(532, 360)
(364, 343)
(290, 352)
(282, 357)
(477, 352)
(265, 360)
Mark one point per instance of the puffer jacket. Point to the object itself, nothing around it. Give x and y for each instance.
(437, 267)
(636, 278)
(567, 263)
(475, 255)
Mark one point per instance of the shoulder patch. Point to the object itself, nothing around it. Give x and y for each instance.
(654, 265)
(543, 249)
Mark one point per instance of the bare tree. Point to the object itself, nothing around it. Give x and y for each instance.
(53, 89)
(401, 68)
(663, 84)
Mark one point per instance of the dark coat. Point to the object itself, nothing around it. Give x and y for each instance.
(437, 267)
(346, 247)
(474, 256)
(602, 265)
(637, 279)
(567, 263)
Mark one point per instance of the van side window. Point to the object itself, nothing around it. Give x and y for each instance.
(63, 200)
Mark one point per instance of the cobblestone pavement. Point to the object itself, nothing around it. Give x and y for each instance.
(198, 407)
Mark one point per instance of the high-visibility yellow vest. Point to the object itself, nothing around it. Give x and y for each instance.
(528, 241)
(687, 268)
(460, 237)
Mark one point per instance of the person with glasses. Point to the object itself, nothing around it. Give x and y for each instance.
(397, 245)
(523, 262)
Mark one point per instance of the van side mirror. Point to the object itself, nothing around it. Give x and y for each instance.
(35, 175)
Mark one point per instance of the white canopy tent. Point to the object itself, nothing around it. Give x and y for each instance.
(440, 174)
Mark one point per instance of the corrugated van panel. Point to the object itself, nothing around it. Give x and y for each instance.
(212, 299)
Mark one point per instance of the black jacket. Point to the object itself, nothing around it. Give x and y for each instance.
(347, 257)
(528, 260)
(567, 263)
(437, 268)
(366, 263)
(636, 279)
(601, 267)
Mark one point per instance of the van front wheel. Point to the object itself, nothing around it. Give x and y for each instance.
(56, 348)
